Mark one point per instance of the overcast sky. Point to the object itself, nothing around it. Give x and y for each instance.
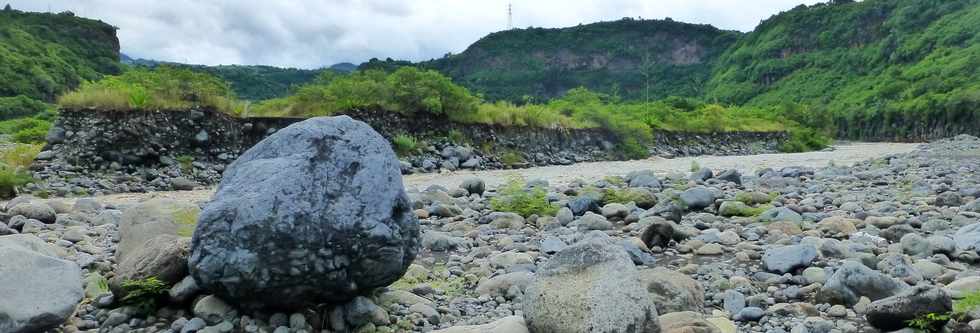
(316, 33)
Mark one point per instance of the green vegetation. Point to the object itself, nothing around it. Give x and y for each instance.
(642, 198)
(438, 278)
(970, 302)
(186, 163)
(512, 158)
(874, 68)
(929, 322)
(933, 322)
(405, 145)
(14, 163)
(162, 88)
(43, 55)
(634, 59)
(514, 197)
(409, 90)
(20, 106)
(186, 220)
(253, 83)
(144, 294)
(27, 130)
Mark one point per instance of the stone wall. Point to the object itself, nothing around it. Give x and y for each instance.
(113, 151)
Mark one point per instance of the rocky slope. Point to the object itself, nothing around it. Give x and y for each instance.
(798, 249)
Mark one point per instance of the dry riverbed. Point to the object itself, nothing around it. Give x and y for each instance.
(844, 154)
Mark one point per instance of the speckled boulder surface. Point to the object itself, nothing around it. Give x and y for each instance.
(591, 286)
(316, 212)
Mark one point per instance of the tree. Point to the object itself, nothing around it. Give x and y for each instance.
(7, 8)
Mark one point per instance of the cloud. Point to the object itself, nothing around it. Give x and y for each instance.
(316, 33)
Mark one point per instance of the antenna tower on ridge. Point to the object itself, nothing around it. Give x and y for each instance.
(510, 17)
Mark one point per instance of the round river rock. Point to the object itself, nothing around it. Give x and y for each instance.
(316, 212)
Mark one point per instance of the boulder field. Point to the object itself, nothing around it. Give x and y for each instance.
(889, 244)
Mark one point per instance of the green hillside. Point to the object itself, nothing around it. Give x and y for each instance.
(882, 69)
(249, 82)
(43, 55)
(634, 59)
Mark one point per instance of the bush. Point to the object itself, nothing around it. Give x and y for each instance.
(144, 294)
(20, 106)
(186, 163)
(405, 145)
(14, 163)
(511, 158)
(32, 135)
(26, 130)
(804, 139)
(19, 156)
(161, 88)
(11, 179)
(514, 197)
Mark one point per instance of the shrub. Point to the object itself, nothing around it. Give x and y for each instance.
(804, 139)
(161, 88)
(20, 106)
(32, 135)
(515, 197)
(511, 158)
(186, 163)
(695, 166)
(929, 322)
(144, 294)
(405, 145)
(19, 156)
(26, 130)
(11, 179)
(456, 136)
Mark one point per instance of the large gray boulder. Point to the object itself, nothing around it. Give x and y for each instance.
(34, 210)
(786, 259)
(512, 324)
(853, 280)
(163, 257)
(967, 238)
(672, 291)
(149, 219)
(892, 313)
(591, 286)
(316, 212)
(697, 198)
(39, 290)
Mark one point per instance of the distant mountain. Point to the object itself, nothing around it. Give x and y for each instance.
(44, 54)
(635, 59)
(344, 67)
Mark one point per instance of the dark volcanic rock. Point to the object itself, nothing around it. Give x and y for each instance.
(892, 313)
(316, 212)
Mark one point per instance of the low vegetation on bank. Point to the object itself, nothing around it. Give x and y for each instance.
(162, 88)
(412, 91)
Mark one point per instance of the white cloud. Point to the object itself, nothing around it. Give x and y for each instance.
(316, 33)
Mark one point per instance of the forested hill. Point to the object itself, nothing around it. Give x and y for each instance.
(884, 69)
(249, 82)
(635, 59)
(44, 54)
